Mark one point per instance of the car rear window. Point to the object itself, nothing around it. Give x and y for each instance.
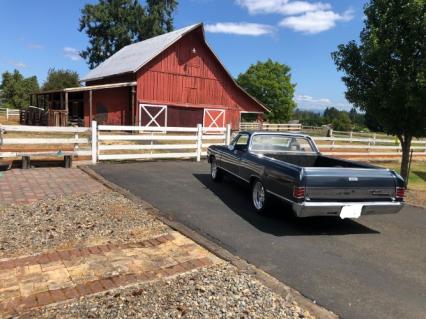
(270, 143)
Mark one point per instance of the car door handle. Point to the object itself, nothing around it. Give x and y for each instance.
(235, 152)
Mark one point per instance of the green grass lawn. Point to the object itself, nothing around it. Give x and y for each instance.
(417, 178)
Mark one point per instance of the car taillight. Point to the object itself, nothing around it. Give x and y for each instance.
(400, 192)
(299, 192)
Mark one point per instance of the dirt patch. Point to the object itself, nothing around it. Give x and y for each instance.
(416, 197)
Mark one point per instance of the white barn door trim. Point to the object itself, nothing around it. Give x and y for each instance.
(214, 119)
(153, 116)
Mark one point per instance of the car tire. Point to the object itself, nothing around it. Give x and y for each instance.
(216, 173)
(259, 197)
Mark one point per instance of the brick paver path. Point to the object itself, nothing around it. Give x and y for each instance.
(33, 281)
(18, 186)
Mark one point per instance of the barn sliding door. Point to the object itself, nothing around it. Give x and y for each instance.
(214, 118)
(153, 115)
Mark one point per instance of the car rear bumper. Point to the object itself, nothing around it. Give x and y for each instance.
(309, 209)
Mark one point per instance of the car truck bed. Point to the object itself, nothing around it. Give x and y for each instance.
(303, 160)
(289, 166)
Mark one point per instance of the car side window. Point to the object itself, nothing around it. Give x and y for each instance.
(242, 140)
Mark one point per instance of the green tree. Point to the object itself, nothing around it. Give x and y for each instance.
(372, 123)
(357, 119)
(385, 73)
(159, 18)
(270, 83)
(16, 89)
(330, 114)
(113, 24)
(60, 79)
(308, 118)
(342, 122)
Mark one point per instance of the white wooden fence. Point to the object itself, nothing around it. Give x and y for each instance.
(106, 142)
(368, 147)
(253, 126)
(24, 139)
(111, 142)
(9, 112)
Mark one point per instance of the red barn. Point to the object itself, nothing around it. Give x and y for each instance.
(174, 79)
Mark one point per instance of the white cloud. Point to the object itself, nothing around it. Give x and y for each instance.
(72, 53)
(241, 28)
(300, 16)
(18, 64)
(307, 102)
(315, 22)
(285, 7)
(308, 98)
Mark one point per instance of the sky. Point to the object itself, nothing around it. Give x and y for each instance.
(43, 34)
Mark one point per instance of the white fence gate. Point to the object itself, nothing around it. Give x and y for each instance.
(111, 142)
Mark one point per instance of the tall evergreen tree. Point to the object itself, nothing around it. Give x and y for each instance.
(113, 24)
(159, 18)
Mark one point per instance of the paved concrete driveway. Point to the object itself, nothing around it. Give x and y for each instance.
(374, 267)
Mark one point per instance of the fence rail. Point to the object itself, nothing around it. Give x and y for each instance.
(253, 126)
(340, 146)
(9, 112)
(109, 142)
(43, 137)
(154, 142)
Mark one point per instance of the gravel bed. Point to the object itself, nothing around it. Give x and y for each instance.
(216, 292)
(68, 221)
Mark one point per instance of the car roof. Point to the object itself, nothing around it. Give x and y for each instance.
(275, 133)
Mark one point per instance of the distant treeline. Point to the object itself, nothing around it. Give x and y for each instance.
(338, 120)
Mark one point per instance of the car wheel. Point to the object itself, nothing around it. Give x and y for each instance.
(259, 197)
(215, 172)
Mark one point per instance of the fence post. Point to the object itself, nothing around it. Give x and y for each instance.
(228, 134)
(7, 114)
(351, 134)
(199, 141)
(76, 147)
(94, 142)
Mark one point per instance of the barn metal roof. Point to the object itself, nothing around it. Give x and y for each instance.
(134, 56)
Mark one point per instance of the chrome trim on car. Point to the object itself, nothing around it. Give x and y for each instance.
(234, 174)
(280, 197)
(308, 209)
(320, 204)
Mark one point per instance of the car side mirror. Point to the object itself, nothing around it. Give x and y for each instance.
(241, 148)
(231, 147)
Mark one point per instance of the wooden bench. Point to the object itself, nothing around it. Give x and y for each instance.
(26, 157)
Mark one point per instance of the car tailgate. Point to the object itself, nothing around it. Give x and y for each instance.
(349, 184)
